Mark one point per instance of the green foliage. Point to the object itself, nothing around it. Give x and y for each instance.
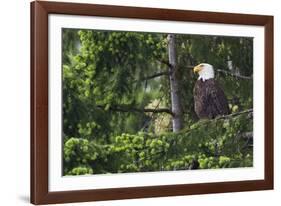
(80, 171)
(213, 143)
(105, 73)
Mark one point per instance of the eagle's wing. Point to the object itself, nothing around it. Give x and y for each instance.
(200, 99)
(217, 101)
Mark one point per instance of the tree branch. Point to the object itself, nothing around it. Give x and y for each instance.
(229, 116)
(122, 108)
(165, 62)
(233, 74)
(228, 73)
(154, 75)
(235, 114)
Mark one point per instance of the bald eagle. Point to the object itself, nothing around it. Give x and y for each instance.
(209, 99)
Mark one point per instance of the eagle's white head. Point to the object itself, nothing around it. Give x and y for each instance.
(205, 71)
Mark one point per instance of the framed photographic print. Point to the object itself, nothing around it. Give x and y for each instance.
(131, 102)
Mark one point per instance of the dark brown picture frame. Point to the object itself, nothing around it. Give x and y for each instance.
(39, 102)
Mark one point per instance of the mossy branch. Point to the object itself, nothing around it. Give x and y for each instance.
(250, 111)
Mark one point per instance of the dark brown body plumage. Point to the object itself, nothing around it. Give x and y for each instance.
(209, 99)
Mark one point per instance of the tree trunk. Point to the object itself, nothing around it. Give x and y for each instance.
(174, 85)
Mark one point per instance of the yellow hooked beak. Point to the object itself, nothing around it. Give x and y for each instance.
(198, 68)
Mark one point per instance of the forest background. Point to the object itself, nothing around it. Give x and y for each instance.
(119, 111)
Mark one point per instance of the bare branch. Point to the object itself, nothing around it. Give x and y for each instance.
(159, 110)
(227, 73)
(165, 62)
(155, 75)
(235, 114)
(127, 108)
(234, 75)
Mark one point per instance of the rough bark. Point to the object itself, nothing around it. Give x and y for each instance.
(174, 85)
